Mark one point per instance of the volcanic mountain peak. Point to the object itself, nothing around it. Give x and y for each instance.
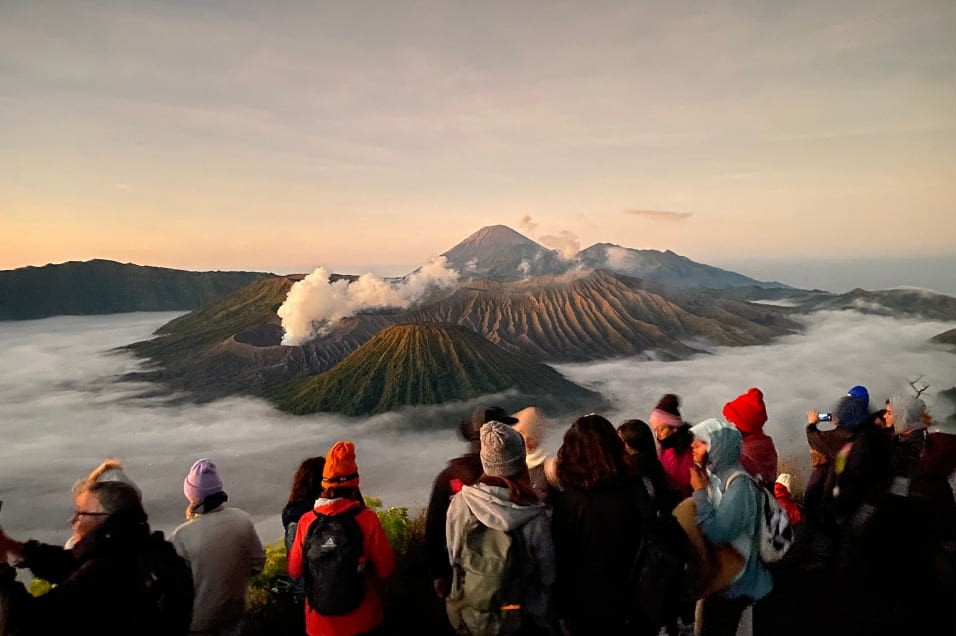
(413, 364)
(498, 236)
(665, 267)
(500, 253)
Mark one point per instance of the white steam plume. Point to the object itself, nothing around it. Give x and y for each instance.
(566, 243)
(619, 259)
(526, 224)
(314, 303)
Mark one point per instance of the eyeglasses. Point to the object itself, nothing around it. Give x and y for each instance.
(82, 513)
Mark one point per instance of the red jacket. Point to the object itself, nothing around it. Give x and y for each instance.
(758, 456)
(786, 501)
(379, 556)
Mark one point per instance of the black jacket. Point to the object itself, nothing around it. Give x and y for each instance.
(461, 471)
(596, 534)
(120, 579)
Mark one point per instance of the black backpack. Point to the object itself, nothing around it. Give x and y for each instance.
(660, 581)
(334, 563)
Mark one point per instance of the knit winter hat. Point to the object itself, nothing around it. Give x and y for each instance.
(202, 481)
(860, 393)
(669, 403)
(747, 412)
(850, 412)
(502, 450)
(340, 470)
(531, 423)
(907, 413)
(666, 413)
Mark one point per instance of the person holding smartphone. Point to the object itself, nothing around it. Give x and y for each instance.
(825, 445)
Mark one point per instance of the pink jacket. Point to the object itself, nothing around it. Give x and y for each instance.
(677, 466)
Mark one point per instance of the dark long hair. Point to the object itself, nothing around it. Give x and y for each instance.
(591, 454)
(520, 490)
(680, 440)
(307, 483)
(637, 436)
(645, 464)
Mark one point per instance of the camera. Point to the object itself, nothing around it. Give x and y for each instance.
(825, 417)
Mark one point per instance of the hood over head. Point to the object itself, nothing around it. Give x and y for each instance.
(723, 443)
(491, 506)
(907, 413)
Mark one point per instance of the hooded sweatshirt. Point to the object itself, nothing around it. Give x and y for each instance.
(730, 515)
(490, 506)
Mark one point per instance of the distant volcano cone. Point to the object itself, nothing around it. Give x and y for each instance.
(414, 364)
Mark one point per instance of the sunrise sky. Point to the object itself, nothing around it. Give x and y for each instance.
(359, 135)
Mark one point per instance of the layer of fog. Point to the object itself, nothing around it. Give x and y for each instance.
(935, 272)
(62, 410)
(812, 370)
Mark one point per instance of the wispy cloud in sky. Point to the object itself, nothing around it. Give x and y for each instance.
(660, 215)
(371, 119)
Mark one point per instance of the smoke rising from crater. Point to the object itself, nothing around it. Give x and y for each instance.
(620, 259)
(565, 243)
(315, 303)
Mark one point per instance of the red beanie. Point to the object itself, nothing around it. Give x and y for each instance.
(747, 412)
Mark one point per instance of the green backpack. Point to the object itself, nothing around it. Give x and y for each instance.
(485, 598)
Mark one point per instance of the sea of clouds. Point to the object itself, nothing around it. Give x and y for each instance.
(63, 409)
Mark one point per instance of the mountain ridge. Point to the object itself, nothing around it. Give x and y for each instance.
(102, 286)
(552, 319)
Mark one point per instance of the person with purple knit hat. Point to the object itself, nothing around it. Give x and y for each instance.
(222, 548)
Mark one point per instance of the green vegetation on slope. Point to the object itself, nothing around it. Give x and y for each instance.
(107, 287)
(422, 364)
(251, 306)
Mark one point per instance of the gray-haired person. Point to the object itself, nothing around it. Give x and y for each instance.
(118, 578)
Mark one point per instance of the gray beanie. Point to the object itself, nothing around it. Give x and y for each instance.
(502, 450)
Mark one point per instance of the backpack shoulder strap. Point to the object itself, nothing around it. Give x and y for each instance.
(738, 473)
(761, 497)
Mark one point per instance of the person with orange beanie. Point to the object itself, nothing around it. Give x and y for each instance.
(758, 455)
(340, 482)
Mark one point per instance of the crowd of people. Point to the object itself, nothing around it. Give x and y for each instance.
(874, 533)
(519, 541)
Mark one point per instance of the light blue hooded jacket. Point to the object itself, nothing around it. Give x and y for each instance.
(730, 515)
